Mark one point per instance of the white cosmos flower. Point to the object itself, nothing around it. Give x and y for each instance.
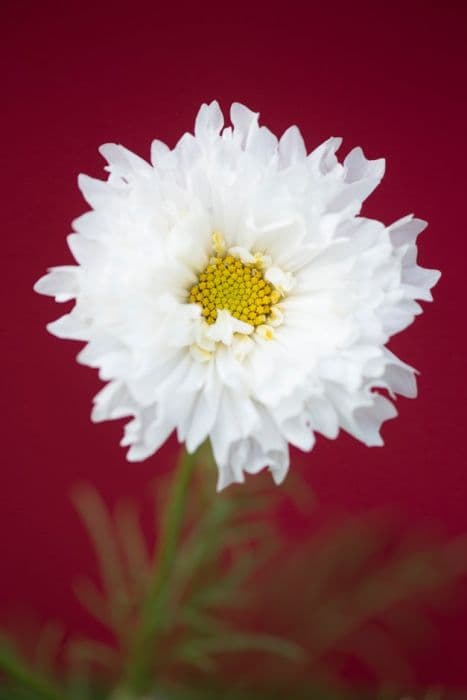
(172, 260)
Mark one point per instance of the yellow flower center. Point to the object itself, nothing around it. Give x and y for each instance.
(230, 284)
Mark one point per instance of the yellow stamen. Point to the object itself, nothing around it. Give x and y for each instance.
(266, 332)
(230, 284)
(218, 242)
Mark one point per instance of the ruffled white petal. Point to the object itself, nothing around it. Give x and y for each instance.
(225, 327)
(245, 124)
(61, 283)
(71, 327)
(123, 163)
(292, 148)
(209, 122)
(159, 152)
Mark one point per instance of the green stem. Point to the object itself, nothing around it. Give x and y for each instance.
(138, 671)
(15, 670)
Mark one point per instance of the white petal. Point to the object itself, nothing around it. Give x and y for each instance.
(245, 122)
(69, 326)
(85, 251)
(361, 177)
(92, 224)
(323, 417)
(359, 168)
(209, 121)
(323, 159)
(204, 413)
(97, 193)
(60, 282)
(111, 403)
(151, 437)
(292, 148)
(123, 160)
(281, 280)
(298, 432)
(400, 377)
(226, 326)
(159, 150)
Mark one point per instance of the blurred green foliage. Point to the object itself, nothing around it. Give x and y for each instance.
(234, 570)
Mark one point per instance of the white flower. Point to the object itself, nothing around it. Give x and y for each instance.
(231, 291)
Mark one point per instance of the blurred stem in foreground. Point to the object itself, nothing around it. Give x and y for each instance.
(140, 658)
(26, 679)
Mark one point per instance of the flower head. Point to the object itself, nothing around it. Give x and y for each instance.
(231, 290)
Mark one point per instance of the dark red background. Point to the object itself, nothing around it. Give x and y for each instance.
(387, 76)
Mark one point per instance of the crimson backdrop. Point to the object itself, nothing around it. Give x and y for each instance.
(387, 76)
